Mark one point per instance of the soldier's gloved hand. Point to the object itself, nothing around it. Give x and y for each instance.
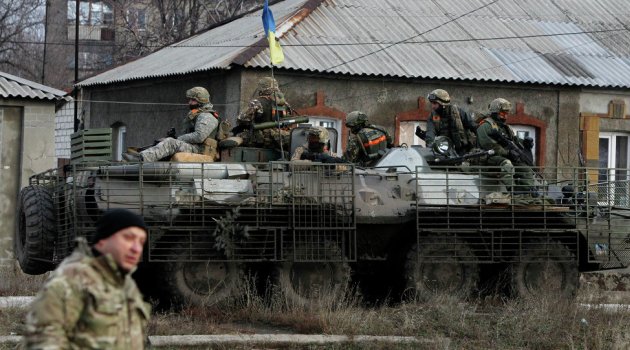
(528, 142)
(171, 133)
(420, 133)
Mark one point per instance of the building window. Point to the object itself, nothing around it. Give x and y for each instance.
(614, 151)
(92, 13)
(523, 131)
(136, 19)
(407, 132)
(617, 109)
(119, 141)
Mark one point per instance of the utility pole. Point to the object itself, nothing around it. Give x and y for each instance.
(75, 91)
(43, 78)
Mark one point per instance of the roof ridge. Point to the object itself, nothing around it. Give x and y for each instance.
(286, 25)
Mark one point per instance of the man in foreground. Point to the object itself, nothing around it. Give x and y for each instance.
(90, 301)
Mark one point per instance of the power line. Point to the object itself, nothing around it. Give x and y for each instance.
(411, 37)
(342, 44)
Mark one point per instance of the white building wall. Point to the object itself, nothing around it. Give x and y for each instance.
(64, 127)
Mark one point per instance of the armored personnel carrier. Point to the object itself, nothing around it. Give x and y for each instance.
(429, 222)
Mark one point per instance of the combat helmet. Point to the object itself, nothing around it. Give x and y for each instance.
(198, 94)
(356, 119)
(320, 132)
(267, 83)
(440, 97)
(499, 105)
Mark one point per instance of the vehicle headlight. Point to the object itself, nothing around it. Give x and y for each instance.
(442, 145)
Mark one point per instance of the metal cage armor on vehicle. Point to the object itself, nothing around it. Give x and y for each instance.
(425, 225)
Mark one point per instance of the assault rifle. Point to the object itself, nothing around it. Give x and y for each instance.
(459, 159)
(321, 157)
(518, 153)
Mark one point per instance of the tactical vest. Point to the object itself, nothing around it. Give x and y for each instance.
(452, 127)
(373, 141)
(504, 128)
(272, 110)
(191, 120)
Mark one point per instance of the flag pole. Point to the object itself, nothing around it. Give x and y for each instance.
(274, 112)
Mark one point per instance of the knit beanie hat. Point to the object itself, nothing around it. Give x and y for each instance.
(115, 220)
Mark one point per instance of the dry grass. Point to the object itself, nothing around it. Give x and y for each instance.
(17, 283)
(544, 322)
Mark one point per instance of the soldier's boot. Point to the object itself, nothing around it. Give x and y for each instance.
(132, 157)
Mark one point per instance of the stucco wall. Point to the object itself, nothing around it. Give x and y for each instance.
(37, 154)
(150, 108)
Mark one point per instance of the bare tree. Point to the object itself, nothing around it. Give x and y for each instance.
(167, 22)
(21, 37)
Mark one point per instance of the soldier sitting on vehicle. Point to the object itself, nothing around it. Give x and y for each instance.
(494, 134)
(367, 143)
(451, 121)
(270, 106)
(200, 127)
(317, 147)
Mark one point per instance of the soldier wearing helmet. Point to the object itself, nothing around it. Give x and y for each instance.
(199, 125)
(270, 105)
(451, 121)
(367, 143)
(516, 175)
(317, 143)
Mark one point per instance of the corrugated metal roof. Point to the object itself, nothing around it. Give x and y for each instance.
(565, 42)
(12, 86)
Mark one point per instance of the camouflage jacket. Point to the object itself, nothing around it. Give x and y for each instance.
(87, 303)
(200, 124)
(260, 110)
(487, 142)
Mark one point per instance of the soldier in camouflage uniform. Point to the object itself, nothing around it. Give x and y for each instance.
(450, 121)
(269, 106)
(90, 301)
(317, 143)
(367, 143)
(519, 179)
(200, 123)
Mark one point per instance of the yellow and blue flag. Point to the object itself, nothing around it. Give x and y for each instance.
(270, 31)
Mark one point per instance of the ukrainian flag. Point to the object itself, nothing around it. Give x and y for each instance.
(270, 31)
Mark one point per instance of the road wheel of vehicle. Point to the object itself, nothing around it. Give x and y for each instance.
(307, 284)
(441, 265)
(201, 283)
(545, 267)
(35, 231)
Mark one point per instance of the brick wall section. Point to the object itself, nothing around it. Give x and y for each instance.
(64, 127)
